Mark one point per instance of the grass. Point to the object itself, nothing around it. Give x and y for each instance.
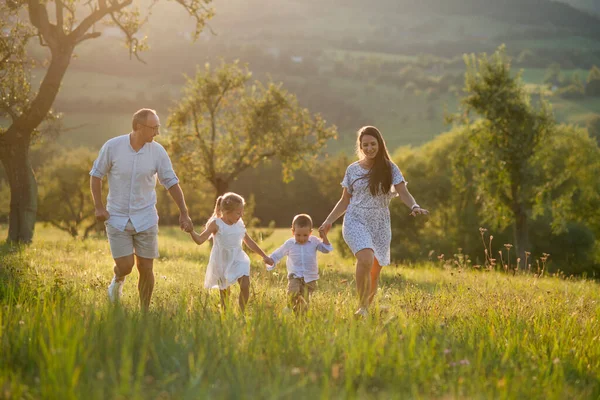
(434, 333)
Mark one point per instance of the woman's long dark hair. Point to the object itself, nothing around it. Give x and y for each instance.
(380, 174)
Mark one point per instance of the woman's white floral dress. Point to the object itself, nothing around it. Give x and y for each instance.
(367, 222)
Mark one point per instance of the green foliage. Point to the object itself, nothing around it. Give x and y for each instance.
(572, 92)
(592, 87)
(593, 127)
(564, 206)
(65, 200)
(504, 142)
(554, 76)
(223, 126)
(566, 169)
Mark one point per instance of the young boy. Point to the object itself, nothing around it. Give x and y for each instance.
(302, 268)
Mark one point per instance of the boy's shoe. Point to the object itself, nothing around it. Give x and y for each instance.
(115, 289)
(361, 313)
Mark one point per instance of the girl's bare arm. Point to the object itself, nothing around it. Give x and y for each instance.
(200, 238)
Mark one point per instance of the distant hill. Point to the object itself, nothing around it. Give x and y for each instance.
(592, 6)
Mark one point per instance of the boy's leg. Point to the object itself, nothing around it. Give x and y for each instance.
(244, 282)
(310, 288)
(294, 286)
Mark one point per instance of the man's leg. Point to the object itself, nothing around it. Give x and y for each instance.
(146, 281)
(146, 250)
(121, 247)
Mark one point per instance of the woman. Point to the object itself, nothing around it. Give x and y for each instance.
(365, 199)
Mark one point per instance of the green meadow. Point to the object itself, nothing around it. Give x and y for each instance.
(435, 331)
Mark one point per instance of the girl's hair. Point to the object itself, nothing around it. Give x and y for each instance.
(380, 174)
(227, 202)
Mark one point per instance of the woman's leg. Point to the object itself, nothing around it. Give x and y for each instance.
(364, 263)
(375, 271)
(244, 282)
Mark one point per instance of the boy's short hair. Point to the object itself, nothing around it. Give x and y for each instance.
(302, 221)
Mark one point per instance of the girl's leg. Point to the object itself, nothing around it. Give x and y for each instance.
(224, 295)
(244, 282)
(375, 271)
(364, 263)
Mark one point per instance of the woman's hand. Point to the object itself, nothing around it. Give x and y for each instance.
(324, 228)
(418, 210)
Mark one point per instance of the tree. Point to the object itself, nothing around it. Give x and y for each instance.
(592, 87)
(223, 126)
(59, 26)
(503, 142)
(553, 75)
(593, 127)
(64, 193)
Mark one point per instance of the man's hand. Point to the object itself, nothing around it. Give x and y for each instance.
(101, 214)
(185, 223)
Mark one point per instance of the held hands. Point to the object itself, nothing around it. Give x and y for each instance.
(268, 260)
(101, 214)
(185, 223)
(324, 229)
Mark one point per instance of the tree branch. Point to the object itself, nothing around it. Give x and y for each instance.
(92, 35)
(96, 16)
(59, 17)
(38, 15)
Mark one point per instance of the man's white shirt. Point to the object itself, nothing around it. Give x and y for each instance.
(301, 258)
(132, 181)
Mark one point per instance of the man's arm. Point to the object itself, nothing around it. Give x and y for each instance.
(96, 188)
(185, 221)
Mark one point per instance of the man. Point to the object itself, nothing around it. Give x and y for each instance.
(132, 162)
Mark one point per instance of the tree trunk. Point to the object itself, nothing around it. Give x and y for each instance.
(14, 148)
(221, 186)
(23, 192)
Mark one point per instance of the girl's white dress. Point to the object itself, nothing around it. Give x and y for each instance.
(228, 262)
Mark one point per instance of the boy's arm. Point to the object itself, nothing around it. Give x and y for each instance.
(255, 248)
(278, 254)
(211, 229)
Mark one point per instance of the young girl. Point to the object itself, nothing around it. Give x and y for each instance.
(228, 262)
(365, 200)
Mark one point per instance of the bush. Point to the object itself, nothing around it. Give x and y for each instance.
(572, 92)
(65, 199)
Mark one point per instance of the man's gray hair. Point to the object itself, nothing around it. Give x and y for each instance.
(141, 116)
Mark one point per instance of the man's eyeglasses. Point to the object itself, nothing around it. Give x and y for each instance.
(154, 128)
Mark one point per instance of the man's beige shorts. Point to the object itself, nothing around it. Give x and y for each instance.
(298, 286)
(145, 244)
